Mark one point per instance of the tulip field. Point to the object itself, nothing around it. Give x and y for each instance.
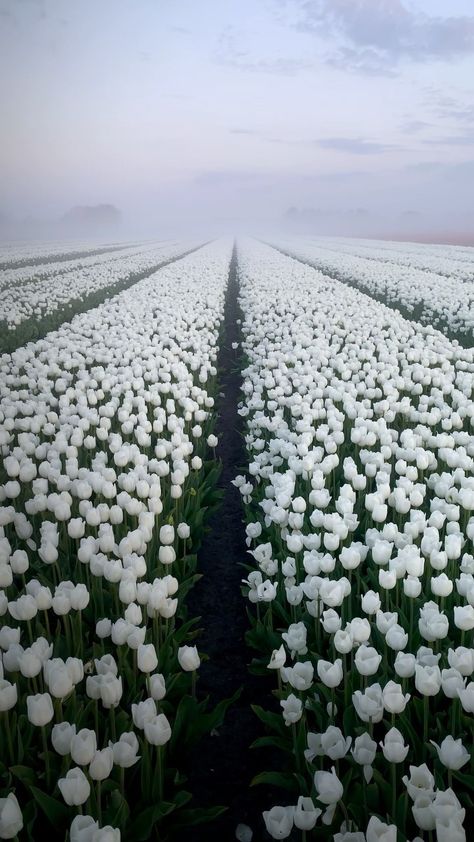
(354, 497)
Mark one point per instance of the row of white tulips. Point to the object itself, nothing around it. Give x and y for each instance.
(32, 252)
(44, 295)
(450, 261)
(359, 498)
(445, 302)
(104, 428)
(15, 276)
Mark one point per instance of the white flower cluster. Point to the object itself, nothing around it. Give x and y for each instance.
(445, 301)
(13, 277)
(103, 430)
(52, 289)
(359, 496)
(32, 252)
(450, 261)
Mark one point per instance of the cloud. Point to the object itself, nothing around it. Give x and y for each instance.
(229, 52)
(376, 35)
(353, 145)
(414, 126)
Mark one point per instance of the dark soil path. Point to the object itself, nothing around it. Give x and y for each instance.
(221, 768)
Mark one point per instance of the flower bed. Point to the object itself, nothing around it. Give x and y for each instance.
(106, 428)
(359, 498)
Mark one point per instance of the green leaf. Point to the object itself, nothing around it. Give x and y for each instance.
(25, 774)
(54, 810)
(284, 780)
(271, 742)
(273, 721)
(198, 815)
(142, 826)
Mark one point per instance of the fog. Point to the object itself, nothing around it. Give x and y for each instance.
(312, 116)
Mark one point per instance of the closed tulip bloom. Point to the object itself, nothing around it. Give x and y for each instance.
(367, 660)
(59, 682)
(8, 695)
(378, 831)
(385, 620)
(147, 659)
(330, 621)
(393, 747)
(364, 750)
(40, 709)
(387, 579)
(62, 735)
(188, 658)
(464, 617)
(110, 690)
(328, 787)
(279, 821)
(451, 682)
(359, 629)
(405, 663)
(125, 750)
(412, 587)
(103, 628)
(143, 712)
(11, 819)
(441, 585)
(158, 730)
(157, 686)
(369, 704)
(292, 709)
(101, 764)
(452, 753)
(370, 603)
(427, 680)
(343, 642)
(396, 638)
(30, 664)
(300, 676)
(330, 674)
(306, 814)
(82, 828)
(74, 788)
(393, 698)
(166, 534)
(462, 659)
(83, 746)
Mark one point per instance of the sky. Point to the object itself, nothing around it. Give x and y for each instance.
(358, 113)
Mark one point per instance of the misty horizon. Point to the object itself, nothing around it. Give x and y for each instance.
(227, 116)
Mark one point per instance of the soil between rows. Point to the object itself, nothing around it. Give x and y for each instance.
(222, 766)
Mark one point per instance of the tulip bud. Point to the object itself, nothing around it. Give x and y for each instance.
(188, 658)
(101, 764)
(157, 730)
(75, 788)
(40, 709)
(11, 819)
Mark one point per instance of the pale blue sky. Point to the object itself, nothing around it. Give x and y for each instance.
(238, 108)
